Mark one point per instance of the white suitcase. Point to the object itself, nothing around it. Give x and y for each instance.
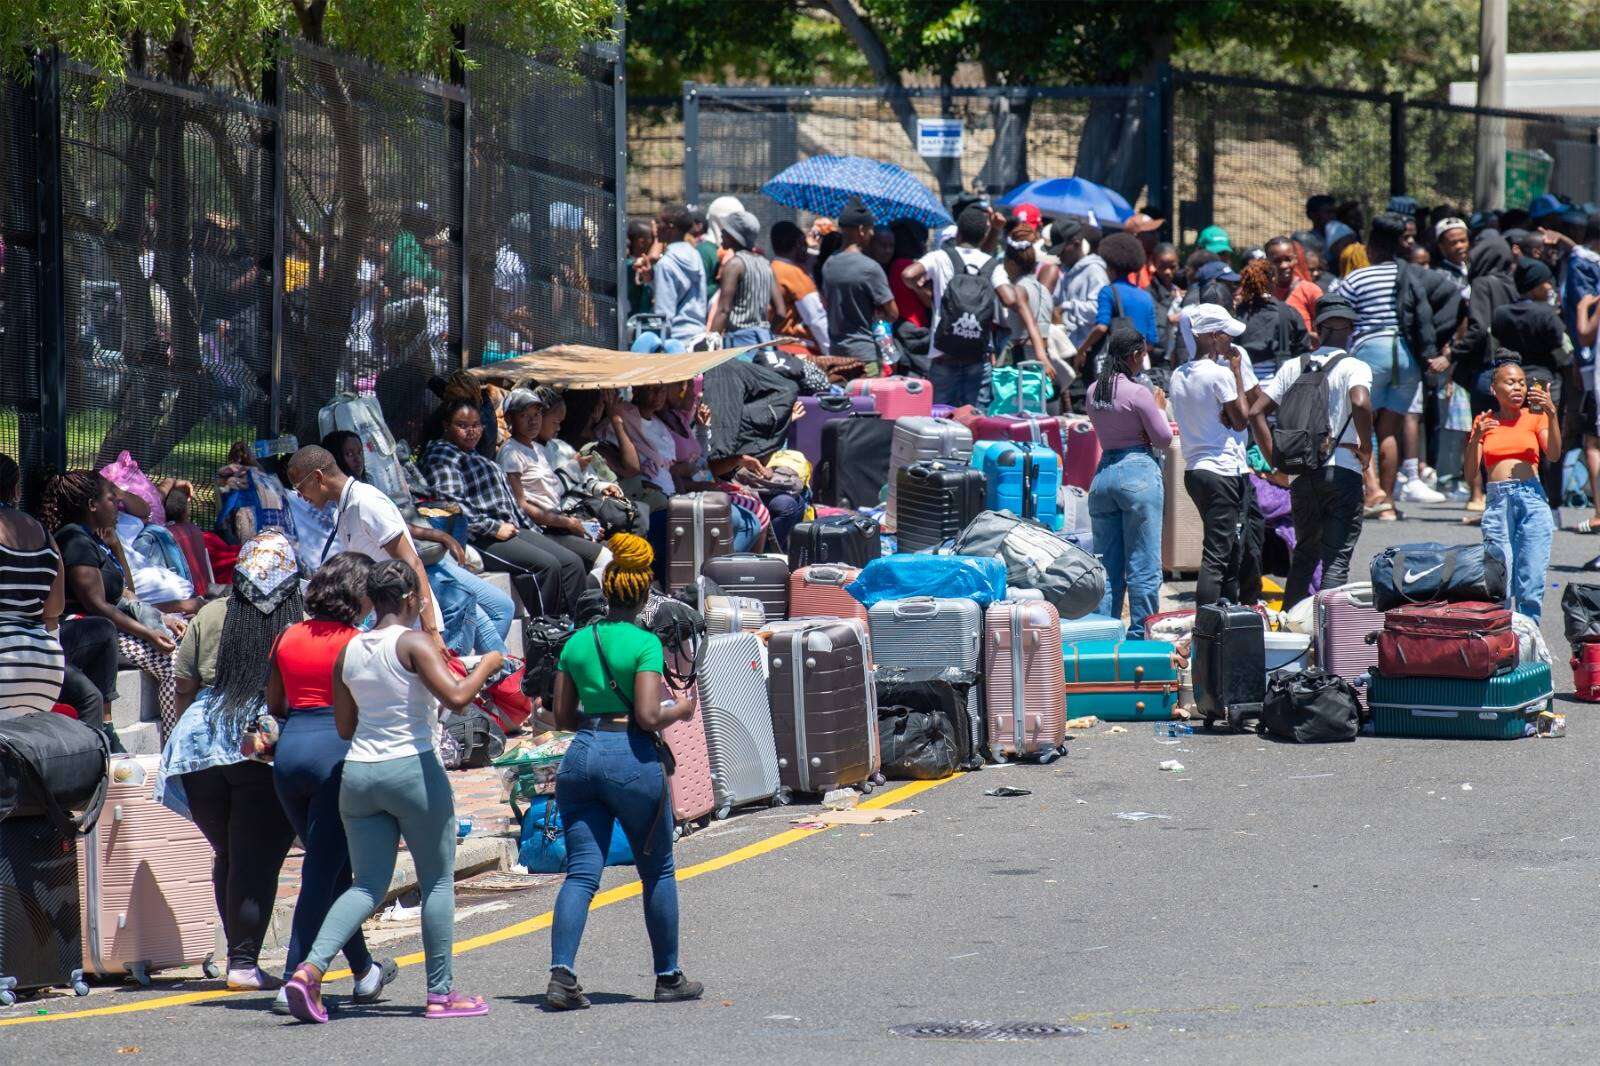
(738, 718)
(924, 638)
(917, 438)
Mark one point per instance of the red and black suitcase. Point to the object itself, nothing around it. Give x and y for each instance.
(838, 540)
(1471, 640)
(1586, 672)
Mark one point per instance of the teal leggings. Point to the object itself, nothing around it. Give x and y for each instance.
(381, 802)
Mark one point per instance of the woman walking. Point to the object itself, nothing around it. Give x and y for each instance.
(385, 686)
(1510, 442)
(613, 773)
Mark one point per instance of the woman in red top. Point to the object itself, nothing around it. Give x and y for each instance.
(1510, 442)
(309, 759)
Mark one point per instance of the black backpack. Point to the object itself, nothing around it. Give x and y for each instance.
(542, 641)
(1310, 706)
(1303, 441)
(967, 310)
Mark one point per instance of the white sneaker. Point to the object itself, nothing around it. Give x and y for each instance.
(1414, 491)
(1430, 477)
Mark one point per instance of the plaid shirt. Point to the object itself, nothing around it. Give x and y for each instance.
(473, 482)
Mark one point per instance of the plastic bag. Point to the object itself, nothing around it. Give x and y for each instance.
(917, 745)
(899, 577)
(124, 473)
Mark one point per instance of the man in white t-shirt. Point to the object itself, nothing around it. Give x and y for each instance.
(1210, 396)
(1327, 504)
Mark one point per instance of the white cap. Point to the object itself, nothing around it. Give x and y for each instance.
(1211, 318)
(1445, 225)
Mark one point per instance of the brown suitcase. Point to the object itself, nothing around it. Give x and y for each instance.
(819, 592)
(699, 527)
(1182, 532)
(824, 704)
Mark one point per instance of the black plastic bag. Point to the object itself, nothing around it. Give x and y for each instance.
(1580, 612)
(917, 745)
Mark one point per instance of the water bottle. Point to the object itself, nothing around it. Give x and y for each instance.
(883, 337)
(1172, 729)
(287, 444)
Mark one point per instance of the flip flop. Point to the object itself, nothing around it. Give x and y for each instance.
(1477, 506)
(1472, 519)
(454, 1004)
(304, 993)
(1378, 510)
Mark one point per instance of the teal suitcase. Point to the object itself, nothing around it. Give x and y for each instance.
(1120, 680)
(1502, 707)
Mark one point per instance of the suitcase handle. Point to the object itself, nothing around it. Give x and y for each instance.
(829, 575)
(914, 607)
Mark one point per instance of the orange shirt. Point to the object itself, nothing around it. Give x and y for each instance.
(1522, 440)
(1302, 296)
(795, 284)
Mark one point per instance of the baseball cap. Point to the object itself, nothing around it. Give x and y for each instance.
(1545, 204)
(519, 398)
(1216, 270)
(1445, 225)
(1212, 318)
(855, 213)
(1335, 305)
(1139, 222)
(1214, 239)
(1027, 213)
(1064, 231)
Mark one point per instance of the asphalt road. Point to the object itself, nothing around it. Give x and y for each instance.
(1350, 903)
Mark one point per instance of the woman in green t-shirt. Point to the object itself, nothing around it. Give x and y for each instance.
(609, 692)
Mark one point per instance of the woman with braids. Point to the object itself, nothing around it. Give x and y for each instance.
(211, 768)
(613, 773)
(1274, 332)
(387, 687)
(80, 508)
(1126, 496)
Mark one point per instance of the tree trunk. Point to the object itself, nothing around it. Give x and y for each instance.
(1007, 165)
(1111, 150)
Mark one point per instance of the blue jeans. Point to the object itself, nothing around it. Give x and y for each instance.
(1517, 520)
(739, 338)
(746, 528)
(610, 777)
(1125, 506)
(477, 616)
(1395, 375)
(959, 384)
(786, 511)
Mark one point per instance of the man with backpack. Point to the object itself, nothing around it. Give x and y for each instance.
(1323, 438)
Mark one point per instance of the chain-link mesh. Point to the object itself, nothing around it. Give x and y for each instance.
(655, 156)
(19, 310)
(1441, 154)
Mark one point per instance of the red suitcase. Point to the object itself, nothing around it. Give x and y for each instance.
(1082, 453)
(1586, 672)
(819, 592)
(1465, 640)
(1025, 429)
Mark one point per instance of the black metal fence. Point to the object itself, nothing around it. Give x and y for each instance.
(184, 269)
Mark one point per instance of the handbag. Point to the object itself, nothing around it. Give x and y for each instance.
(52, 765)
(542, 846)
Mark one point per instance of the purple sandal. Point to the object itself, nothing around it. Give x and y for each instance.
(304, 993)
(454, 1004)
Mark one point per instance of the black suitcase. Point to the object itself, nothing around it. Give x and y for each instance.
(934, 501)
(41, 939)
(855, 461)
(1229, 659)
(758, 577)
(837, 540)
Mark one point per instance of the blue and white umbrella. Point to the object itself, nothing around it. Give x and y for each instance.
(823, 184)
(1071, 196)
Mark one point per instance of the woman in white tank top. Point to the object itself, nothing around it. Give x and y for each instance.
(387, 687)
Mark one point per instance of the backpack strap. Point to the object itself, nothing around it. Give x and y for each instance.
(956, 261)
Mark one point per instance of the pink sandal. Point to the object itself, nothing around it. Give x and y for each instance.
(454, 1004)
(304, 993)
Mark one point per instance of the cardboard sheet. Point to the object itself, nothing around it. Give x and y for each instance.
(854, 816)
(583, 366)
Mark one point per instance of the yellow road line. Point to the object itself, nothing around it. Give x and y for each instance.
(510, 932)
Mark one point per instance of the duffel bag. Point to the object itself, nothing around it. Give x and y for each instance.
(1037, 558)
(542, 641)
(1310, 706)
(477, 739)
(52, 765)
(1466, 640)
(1580, 613)
(917, 745)
(1431, 572)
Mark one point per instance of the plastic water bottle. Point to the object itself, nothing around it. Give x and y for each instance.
(287, 444)
(1172, 729)
(883, 337)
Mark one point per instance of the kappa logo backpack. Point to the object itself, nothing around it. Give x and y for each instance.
(1303, 440)
(967, 309)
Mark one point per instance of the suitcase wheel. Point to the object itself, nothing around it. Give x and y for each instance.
(210, 968)
(867, 786)
(80, 987)
(722, 812)
(1236, 719)
(1048, 756)
(879, 779)
(782, 797)
(140, 972)
(7, 997)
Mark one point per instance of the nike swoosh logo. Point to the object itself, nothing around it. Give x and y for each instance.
(1414, 575)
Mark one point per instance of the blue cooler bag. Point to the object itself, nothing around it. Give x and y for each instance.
(542, 848)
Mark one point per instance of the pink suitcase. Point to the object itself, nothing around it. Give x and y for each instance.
(144, 876)
(896, 397)
(1342, 618)
(1083, 453)
(1023, 668)
(819, 592)
(693, 798)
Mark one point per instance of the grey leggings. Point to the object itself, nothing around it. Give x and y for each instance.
(381, 802)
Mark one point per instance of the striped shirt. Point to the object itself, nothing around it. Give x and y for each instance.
(32, 665)
(1370, 291)
(748, 309)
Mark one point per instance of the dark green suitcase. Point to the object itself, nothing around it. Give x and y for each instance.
(1502, 707)
(1120, 680)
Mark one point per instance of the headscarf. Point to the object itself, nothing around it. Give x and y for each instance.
(264, 602)
(717, 214)
(267, 571)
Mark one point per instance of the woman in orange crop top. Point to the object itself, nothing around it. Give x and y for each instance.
(1510, 443)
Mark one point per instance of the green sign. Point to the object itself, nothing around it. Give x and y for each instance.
(1527, 175)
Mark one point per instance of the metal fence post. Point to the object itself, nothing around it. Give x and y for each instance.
(1397, 144)
(461, 126)
(619, 103)
(1594, 162)
(272, 97)
(1158, 146)
(51, 276)
(691, 142)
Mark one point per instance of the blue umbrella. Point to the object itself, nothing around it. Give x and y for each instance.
(823, 184)
(1071, 196)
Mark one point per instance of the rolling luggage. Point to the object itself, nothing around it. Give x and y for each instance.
(1021, 429)
(1342, 618)
(144, 873)
(824, 704)
(855, 461)
(1468, 640)
(1024, 389)
(738, 721)
(839, 540)
(1092, 627)
(936, 501)
(1229, 658)
(1182, 531)
(733, 614)
(819, 592)
(922, 638)
(1423, 573)
(757, 577)
(1122, 681)
(805, 434)
(1023, 680)
(939, 698)
(1082, 454)
(896, 397)
(916, 439)
(1024, 480)
(699, 528)
(1502, 707)
(692, 795)
(1586, 672)
(41, 939)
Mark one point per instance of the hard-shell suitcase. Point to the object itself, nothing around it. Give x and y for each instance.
(1092, 627)
(855, 461)
(1023, 680)
(916, 439)
(1502, 707)
(1470, 640)
(145, 876)
(819, 592)
(1121, 681)
(733, 614)
(1024, 480)
(1182, 531)
(1229, 658)
(840, 540)
(1083, 453)
(1022, 389)
(41, 938)
(805, 434)
(936, 501)
(896, 397)
(1342, 618)
(692, 795)
(1586, 672)
(738, 721)
(699, 528)
(1022, 429)
(924, 637)
(824, 704)
(758, 577)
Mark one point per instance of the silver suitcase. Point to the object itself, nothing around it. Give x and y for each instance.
(738, 718)
(923, 638)
(733, 614)
(917, 438)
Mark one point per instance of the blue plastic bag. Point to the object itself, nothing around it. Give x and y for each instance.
(962, 577)
(542, 848)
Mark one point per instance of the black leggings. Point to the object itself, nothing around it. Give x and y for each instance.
(548, 577)
(91, 648)
(237, 809)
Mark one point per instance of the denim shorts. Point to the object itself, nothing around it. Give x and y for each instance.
(1396, 377)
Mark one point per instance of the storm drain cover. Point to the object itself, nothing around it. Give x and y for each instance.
(987, 1030)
